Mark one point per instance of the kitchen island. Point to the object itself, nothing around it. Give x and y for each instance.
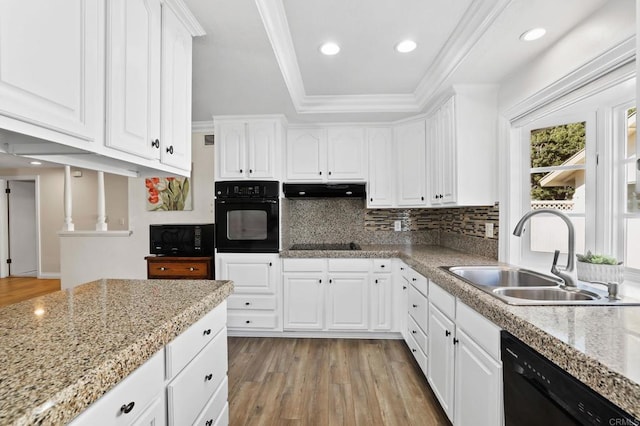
(599, 345)
(61, 352)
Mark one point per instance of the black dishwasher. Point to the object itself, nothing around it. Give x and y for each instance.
(537, 392)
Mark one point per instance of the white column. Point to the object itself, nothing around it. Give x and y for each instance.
(68, 223)
(101, 224)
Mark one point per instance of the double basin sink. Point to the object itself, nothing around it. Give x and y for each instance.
(517, 286)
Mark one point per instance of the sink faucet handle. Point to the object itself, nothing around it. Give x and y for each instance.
(554, 265)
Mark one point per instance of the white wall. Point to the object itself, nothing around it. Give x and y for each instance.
(93, 257)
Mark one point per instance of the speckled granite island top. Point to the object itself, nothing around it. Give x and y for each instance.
(60, 352)
(599, 345)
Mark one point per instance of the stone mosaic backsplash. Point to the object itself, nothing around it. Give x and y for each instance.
(346, 220)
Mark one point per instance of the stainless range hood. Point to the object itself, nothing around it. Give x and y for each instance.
(324, 190)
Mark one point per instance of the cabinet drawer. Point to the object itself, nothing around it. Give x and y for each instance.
(382, 265)
(418, 281)
(349, 265)
(137, 390)
(223, 418)
(443, 300)
(215, 406)
(304, 265)
(419, 308)
(179, 269)
(420, 356)
(239, 301)
(481, 330)
(247, 319)
(188, 393)
(418, 334)
(184, 347)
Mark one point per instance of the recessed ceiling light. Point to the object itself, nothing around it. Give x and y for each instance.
(406, 46)
(533, 34)
(329, 48)
(35, 163)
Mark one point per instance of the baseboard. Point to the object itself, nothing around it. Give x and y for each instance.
(49, 275)
(379, 335)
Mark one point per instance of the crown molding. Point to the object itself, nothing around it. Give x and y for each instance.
(475, 21)
(202, 127)
(186, 16)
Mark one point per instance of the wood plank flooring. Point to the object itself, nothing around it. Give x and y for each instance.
(282, 381)
(17, 289)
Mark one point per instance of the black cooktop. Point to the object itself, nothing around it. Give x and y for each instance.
(326, 246)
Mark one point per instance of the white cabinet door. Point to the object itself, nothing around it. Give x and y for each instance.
(262, 148)
(411, 157)
(381, 302)
(441, 358)
(478, 387)
(231, 150)
(441, 142)
(133, 76)
(50, 65)
(154, 415)
(306, 155)
(304, 297)
(175, 134)
(348, 302)
(347, 154)
(250, 273)
(381, 180)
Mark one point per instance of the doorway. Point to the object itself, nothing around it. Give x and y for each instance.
(22, 258)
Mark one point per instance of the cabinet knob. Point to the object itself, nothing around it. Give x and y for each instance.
(320, 281)
(382, 266)
(455, 341)
(329, 173)
(413, 331)
(376, 281)
(192, 269)
(250, 170)
(170, 149)
(208, 422)
(208, 377)
(155, 143)
(248, 321)
(126, 408)
(415, 306)
(330, 281)
(207, 332)
(270, 264)
(413, 349)
(247, 303)
(241, 171)
(404, 287)
(447, 333)
(320, 173)
(414, 279)
(422, 198)
(162, 268)
(371, 199)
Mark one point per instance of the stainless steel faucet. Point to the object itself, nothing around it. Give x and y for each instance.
(567, 273)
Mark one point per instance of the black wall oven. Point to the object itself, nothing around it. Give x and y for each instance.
(247, 217)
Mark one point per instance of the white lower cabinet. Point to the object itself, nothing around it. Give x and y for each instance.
(464, 367)
(185, 381)
(337, 294)
(255, 302)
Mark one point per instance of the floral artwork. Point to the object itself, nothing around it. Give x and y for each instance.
(168, 194)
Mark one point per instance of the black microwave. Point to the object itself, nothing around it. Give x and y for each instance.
(182, 240)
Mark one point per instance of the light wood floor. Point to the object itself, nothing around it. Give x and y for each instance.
(17, 289)
(281, 381)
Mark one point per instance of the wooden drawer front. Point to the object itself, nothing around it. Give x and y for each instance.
(304, 265)
(349, 265)
(481, 330)
(215, 406)
(195, 270)
(183, 348)
(382, 265)
(189, 392)
(240, 301)
(419, 282)
(420, 356)
(419, 308)
(247, 319)
(139, 388)
(443, 300)
(418, 334)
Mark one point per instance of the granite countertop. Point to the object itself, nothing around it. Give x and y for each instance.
(599, 345)
(61, 352)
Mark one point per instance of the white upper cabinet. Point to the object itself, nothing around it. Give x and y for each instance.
(306, 155)
(133, 76)
(248, 148)
(462, 140)
(50, 68)
(336, 154)
(175, 90)
(410, 165)
(380, 190)
(347, 154)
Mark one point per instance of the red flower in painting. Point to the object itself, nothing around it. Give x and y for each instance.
(153, 196)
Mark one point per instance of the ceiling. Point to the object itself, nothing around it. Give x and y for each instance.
(262, 56)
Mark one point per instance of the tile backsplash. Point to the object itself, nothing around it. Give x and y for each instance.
(345, 220)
